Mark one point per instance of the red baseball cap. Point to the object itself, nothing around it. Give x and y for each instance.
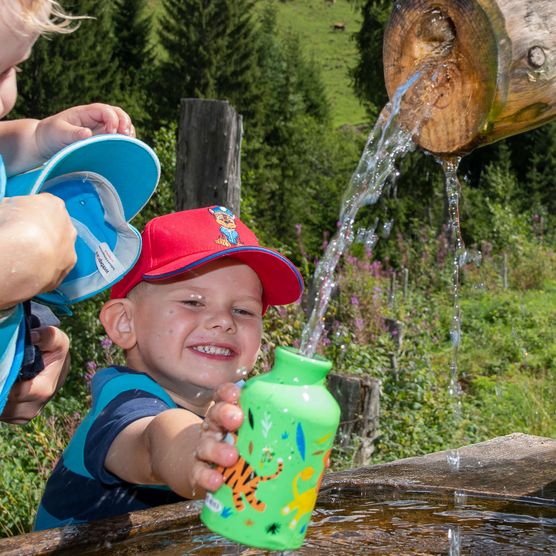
(181, 241)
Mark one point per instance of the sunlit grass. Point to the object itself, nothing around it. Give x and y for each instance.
(334, 51)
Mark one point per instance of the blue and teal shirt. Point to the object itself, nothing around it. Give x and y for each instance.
(12, 332)
(80, 489)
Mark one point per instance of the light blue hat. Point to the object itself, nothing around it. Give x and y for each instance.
(104, 181)
(128, 164)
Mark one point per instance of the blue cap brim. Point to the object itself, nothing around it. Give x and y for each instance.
(106, 246)
(128, 164)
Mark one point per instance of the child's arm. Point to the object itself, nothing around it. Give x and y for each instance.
(27, 143)
(37, 239)
(177, 448)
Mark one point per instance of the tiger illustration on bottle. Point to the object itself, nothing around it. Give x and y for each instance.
(243, 480)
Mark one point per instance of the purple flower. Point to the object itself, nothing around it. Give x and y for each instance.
(106, 343)
(359, 324)
(91, 366)
(354, 300)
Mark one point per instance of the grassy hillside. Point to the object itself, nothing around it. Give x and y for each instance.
(333, 50)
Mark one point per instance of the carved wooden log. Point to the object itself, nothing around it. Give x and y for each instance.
(489, 68)
(208, 155)
(359, 400)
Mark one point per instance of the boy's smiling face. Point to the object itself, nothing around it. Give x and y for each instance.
(198, 330)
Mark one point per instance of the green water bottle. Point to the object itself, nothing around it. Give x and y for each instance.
(284, 446)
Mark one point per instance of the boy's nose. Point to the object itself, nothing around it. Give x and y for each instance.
(221, 319)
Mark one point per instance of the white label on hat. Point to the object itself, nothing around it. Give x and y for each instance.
(108, 265)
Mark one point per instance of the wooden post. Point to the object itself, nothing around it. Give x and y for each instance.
(359, 400)
(488, 68)
(208, 155)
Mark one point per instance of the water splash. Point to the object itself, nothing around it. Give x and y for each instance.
(450, 167)
(386, 143)
(454, 539)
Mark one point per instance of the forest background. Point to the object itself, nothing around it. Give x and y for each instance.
(309, 96)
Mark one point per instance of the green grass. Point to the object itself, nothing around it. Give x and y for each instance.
(334, 51)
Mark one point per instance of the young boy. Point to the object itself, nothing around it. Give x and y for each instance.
(189, 318)
(36, 233)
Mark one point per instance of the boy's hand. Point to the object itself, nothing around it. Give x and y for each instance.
(27, 398)
(223, 416)
(80, 122)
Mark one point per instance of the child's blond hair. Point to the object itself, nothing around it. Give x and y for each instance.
(42, 16)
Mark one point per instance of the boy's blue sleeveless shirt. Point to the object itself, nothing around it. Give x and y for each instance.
(80, 489)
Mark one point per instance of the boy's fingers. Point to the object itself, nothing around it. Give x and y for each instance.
(223, 416)
(219, 453)
(227, 392)
(206, 478)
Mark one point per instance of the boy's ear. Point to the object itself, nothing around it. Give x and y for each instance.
(117, 318)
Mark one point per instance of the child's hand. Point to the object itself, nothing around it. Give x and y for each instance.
(27, 398)
(222, 417)
(80, 122)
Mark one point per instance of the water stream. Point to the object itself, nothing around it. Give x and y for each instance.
(387, 142)
(458, 260)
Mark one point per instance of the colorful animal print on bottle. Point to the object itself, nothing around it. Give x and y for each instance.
(243, 480)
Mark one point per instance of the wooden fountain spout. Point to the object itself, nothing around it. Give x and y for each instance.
(488, 68)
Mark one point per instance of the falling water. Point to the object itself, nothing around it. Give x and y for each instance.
(450, 167)
(387, 142)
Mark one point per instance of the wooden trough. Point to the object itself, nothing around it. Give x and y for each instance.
(515, 467)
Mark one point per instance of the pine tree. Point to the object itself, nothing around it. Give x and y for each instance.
(209, 52)
(134, 55)
(66, 70)
(368, 75)
(133, 50)
(291, 139)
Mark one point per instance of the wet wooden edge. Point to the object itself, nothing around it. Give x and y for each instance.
(515, 467)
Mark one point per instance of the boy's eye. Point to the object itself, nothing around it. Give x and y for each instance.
(192, 303)
(243, 312)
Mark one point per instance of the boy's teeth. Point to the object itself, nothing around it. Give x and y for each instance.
(213, 350)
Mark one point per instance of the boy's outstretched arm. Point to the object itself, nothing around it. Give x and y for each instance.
(27, 143)
(177, 448)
